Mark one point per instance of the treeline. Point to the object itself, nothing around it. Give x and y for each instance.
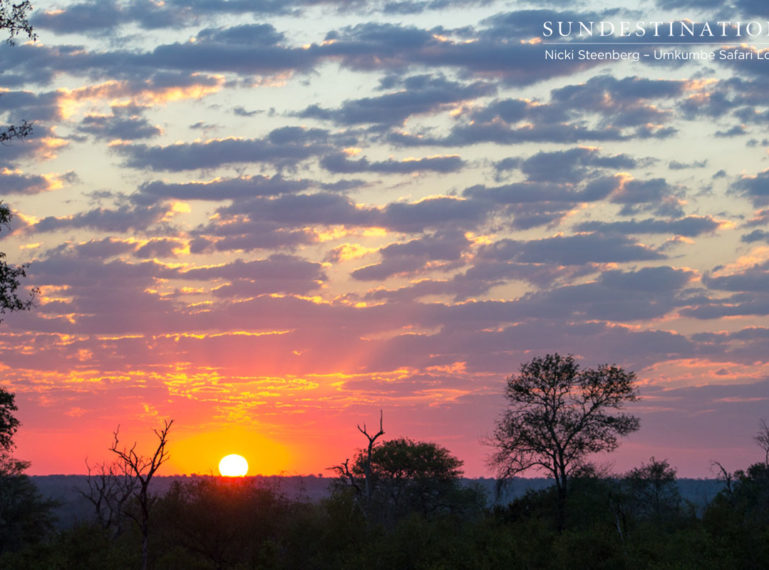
(407, 521)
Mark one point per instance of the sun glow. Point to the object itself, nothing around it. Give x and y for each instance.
(233, 466)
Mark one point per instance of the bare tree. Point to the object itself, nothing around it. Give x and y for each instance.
(762, 439)
(347, 474)
(367, 464)
(722, 474)
(142, 469)
(109, 488)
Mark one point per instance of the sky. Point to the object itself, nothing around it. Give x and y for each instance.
(270, 220)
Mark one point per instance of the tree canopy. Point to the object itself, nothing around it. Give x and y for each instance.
(8, 422)
(558, 415)
(402, 459)
(409, 476)
(10, 277)
(652, 491)
(14, 19)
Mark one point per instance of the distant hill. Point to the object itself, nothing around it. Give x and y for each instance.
(73, 507)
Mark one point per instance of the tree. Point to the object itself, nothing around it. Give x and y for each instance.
(737, 519)
(652, 490)
(407, 476)
(8, 422)
(558, 415)
(108, 489)
(25, 517)
(228, 522)
(363, 488)
(762, 439)
(10, 277)
(142, 469)
(14, 20)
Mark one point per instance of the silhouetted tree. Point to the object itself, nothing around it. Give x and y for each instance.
(406, 476)
(14, 19)
(109, 488)
(142, 469)
(558, 415)
(10, 277)
(363, 487)
(25, 517)
(723, 475)
(8, 422)
(652, 490)
(762, 439)
(738, 519)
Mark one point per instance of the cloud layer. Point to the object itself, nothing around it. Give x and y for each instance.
(281, 229)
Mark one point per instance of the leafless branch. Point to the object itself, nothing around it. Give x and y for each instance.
(142, 469)
(109, 487)
(724, 475)
(762, 439)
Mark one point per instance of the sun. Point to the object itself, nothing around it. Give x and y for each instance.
(233, 466)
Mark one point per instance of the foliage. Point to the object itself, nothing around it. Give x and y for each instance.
(14, 18)
(652, 491)
(25, 516)
(8, 422)
(224, 521)
(738, 518)
(210, 522)
(558, 415)
(408, 476)
(11, 275)
(12, 132)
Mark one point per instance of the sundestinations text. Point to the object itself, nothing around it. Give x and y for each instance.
(656, 29)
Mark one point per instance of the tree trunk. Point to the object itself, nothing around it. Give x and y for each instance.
(561, 482)
(561, 507)
(145, 547)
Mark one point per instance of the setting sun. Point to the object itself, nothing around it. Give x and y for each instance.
(233, 466)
